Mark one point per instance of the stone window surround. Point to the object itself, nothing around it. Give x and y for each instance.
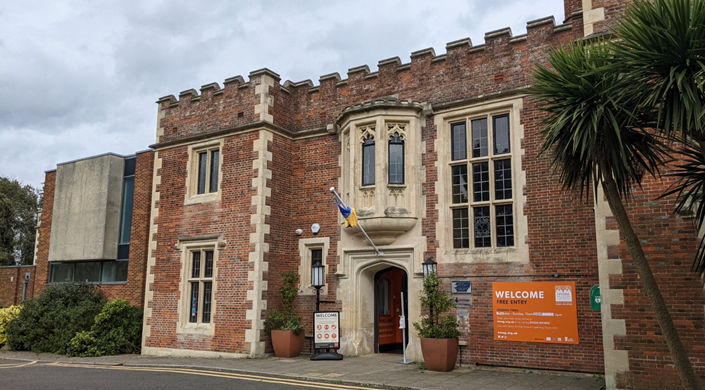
(187, 246)
(192, 196)
(443, 119)
(305, 247)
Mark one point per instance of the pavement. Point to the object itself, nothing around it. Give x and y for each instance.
(377, 370)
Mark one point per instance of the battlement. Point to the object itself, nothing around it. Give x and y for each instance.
(501, 64)
(497, 40)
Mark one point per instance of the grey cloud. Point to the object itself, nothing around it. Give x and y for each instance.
(80, 78)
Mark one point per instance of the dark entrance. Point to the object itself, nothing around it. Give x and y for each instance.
(389, 284)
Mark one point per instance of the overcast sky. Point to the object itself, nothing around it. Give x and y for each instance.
(80, 78)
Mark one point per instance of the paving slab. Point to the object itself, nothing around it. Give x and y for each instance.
(376, 370)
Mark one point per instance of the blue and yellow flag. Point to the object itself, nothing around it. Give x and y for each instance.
(349, 215)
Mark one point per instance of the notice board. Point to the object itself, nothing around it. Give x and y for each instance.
(326, 330)
(539, 312)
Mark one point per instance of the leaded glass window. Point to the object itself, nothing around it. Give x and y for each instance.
(396, 159)
(485, 218)
(481, 221)
(208, 168)
(480, 182)
(479, 138)
(460, 184)
(461, 229)
(201, 286)
(368, 161)
(458, 142)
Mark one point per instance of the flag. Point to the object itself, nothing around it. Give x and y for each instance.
(349, 215)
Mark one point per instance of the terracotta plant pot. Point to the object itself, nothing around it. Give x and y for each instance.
(287, 344)
(439, 354)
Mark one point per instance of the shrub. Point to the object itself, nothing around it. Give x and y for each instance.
(434, 325)
(287, 319)
(47, 323)
(117, 329)
(7, 315)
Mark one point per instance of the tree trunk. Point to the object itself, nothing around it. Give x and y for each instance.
(675, 346)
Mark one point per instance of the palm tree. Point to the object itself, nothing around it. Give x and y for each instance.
(661, 46)
(593, 136)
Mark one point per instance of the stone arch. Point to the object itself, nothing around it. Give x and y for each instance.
(356, 292)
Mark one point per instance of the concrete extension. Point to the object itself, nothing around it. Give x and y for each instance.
(373, 370)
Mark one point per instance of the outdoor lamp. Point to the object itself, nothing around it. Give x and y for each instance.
(429, 267)
(317, 275)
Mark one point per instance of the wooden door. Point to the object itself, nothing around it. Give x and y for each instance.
(388, 305)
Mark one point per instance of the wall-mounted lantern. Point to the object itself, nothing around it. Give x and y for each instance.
(429, 267)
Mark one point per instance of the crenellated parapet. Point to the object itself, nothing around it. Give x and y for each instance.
(502, 63)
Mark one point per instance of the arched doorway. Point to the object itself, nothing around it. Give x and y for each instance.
(390, 285)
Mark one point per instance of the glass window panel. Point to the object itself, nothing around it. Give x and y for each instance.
(503, 179)
(128, 186)
(130, 164)
(61, 272)
(193, 315)
(109, 273)
(196, 265)
(208, 272)
(368, 162)
(505, 225)
(396, 160)
(215, 162)
(316, 256)
(481, 182)
(202, 168)
(114, 271)
(460, 184)
(479, 138)
(123, 251)
(483, 231)
(458, 141)
(207, 293)
(121, 271)
(88, 272)
(461, 229)
(501, 134)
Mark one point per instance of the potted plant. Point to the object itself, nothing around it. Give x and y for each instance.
(285, 326)
(439, 333)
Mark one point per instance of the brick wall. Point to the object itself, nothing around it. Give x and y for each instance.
(42, 255)
(465, 71)
(669, 243)
(12, 284)
(232, 219)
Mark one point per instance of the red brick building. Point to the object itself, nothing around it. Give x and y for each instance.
(438, 156)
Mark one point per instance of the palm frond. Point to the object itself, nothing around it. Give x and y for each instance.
(689, 191)
(661, 46)
(589, 131)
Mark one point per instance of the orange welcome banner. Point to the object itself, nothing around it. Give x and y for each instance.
(539, 312)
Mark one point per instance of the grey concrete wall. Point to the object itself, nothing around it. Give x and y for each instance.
(87, 200)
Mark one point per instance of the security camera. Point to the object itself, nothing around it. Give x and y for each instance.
(299, 232)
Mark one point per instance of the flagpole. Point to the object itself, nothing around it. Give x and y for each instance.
(377, 251)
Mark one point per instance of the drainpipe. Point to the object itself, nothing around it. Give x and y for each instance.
(24, 286)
